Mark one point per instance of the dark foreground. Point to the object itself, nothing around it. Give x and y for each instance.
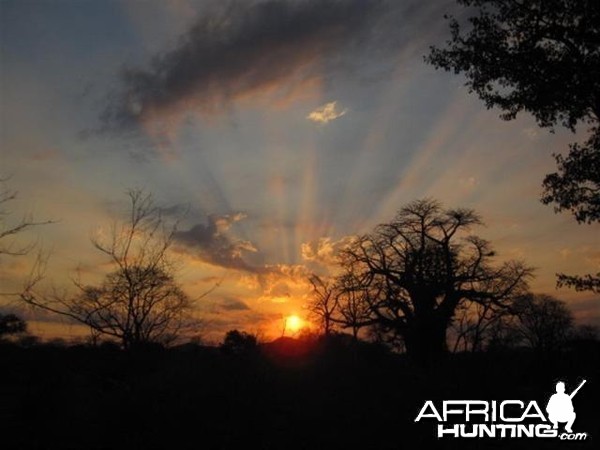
(289, 396)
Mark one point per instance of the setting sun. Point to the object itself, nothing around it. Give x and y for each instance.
(294, 323)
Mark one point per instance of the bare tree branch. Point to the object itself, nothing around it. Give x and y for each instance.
(139, 302)
(8, 230)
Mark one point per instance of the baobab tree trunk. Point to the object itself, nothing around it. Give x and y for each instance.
(425, 338)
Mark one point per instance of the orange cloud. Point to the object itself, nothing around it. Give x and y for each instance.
(326, 113)
(325, 250)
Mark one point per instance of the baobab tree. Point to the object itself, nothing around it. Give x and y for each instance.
(423, 265)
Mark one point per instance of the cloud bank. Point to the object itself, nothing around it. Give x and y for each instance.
(239, 48)
(211, 243)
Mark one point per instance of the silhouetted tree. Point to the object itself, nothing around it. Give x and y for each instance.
(540, 56)
(324, 302)
(239, 342)
(354, 303)
(11, 229)
(476, 324)
(585, 332)
(587, 282)
(11, 324)
(423, 265)
(543, 322)
(502, 334)
(575, 187)
(28, 341)
(137, 305)
(139, 302)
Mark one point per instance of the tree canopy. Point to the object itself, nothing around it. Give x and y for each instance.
(11, 324)
(542, 57)
(542, 321)
(539, 56)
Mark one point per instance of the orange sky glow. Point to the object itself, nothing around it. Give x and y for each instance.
(278, 151)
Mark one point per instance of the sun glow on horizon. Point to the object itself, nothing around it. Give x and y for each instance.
(294, 323)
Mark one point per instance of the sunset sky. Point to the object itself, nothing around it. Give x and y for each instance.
(281, 126)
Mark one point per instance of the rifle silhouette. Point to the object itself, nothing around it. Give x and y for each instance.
(576, 390)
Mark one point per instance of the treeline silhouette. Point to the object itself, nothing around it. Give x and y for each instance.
(422, 283)
(314, 392)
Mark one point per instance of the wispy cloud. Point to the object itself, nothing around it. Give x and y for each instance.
(283, 283)
(233, 304)
(326, 113)
(211, 243)
(240, 48)
(325, 250)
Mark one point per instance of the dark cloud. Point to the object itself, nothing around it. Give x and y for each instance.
(211, 243)
(233, 304)
(177, 210)
(241, 47)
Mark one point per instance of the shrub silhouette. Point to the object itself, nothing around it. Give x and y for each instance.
(239, 343)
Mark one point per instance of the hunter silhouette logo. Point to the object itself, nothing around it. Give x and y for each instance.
(560, 407)
(506, 418)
